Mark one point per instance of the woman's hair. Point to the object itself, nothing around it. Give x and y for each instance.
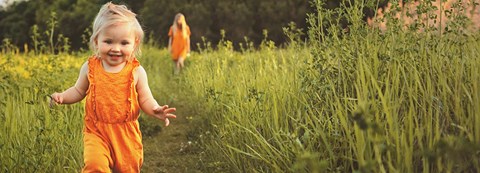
(111, 14)
(184, 24)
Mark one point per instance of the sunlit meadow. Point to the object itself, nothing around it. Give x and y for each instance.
(347, 99)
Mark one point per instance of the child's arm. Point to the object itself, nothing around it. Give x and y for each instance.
(148, 104)
(75, 93)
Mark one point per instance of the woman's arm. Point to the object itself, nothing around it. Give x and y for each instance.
(170, 44)
(148, 104)
(188, 44)
(77, 92)
(170, 35)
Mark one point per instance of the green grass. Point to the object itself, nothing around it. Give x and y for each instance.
(35, 137)
(359, 101)
(375, 104)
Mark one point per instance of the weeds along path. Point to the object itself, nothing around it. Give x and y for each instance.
(167, 149)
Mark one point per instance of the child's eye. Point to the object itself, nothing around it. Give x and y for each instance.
(125, 43)
(108, 41)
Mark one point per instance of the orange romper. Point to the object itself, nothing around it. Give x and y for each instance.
(112, 138)
(179, 43)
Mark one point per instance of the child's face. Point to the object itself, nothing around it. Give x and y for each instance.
(116, 43)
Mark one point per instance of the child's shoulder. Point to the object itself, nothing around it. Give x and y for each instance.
(140, 71)
(84, 69)
(92, 59)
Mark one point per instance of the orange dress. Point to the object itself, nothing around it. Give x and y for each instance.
(112, 138)
(179, 43)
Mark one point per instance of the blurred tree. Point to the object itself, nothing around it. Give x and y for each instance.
(16, 21)
(235, 18)
(273, 15)
(200, 20)
(239, 18)
(157, 16)
(77, 19)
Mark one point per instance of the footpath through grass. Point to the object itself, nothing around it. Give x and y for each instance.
(174, 148)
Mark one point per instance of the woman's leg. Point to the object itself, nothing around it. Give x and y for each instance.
(178, 65)
(180, 61)
(175, 67)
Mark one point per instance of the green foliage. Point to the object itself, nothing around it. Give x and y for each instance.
(293, 34)
(15, 22)
(356, 100)
(8, 47)
(35, 137)
(206, 19)
(389, 94)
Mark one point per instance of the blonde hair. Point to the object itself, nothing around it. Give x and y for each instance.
(184, 24)
(111, 14)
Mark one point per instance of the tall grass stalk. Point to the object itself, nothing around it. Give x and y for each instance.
(36, 138)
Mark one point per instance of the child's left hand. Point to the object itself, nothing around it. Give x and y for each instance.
(163, 113)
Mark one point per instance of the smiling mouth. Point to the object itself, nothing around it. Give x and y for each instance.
(115, 56)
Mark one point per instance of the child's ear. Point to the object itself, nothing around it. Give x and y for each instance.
(137, 41)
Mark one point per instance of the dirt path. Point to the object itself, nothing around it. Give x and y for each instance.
(171, 150)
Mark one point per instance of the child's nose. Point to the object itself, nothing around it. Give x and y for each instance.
(115, 47)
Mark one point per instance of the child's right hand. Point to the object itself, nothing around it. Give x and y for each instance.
(164, 113)
(56, 98)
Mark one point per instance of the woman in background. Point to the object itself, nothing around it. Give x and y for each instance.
(179, 41)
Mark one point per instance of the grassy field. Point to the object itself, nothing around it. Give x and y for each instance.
(35, 138)
(361, 100)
